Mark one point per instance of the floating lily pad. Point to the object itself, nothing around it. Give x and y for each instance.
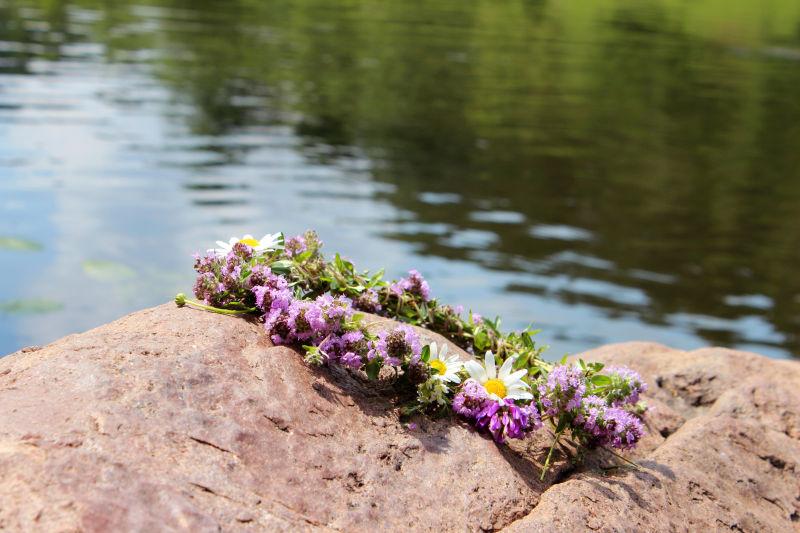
(13, 243)
(107, 270)
(32, 306)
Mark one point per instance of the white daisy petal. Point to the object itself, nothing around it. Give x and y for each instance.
(476, 371)
(454, 362)
(505, 370)
(517, 394)
(267, 238)
(521, 385)
(491, 369)
(443, 353)
(517, 376)
(434, 351)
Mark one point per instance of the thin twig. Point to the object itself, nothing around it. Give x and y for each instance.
(612, 452)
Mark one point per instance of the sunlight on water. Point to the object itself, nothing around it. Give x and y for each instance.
(608, 171)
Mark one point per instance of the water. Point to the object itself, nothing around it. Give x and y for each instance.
(609, 171)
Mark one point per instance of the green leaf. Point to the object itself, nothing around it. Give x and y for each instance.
(376, 277)
(373, 368)
(20, 245)
(338, 262)
(521, 362)
(33, 306)
(527, 340)
(426, 353)
(600, 380)
(101, 270)
(282, 267)
(482, 341)
(597, 367)
(563, 360)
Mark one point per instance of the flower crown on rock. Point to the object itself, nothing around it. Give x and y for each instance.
(320, 305)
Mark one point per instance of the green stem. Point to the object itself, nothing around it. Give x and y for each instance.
(550, 455)
(198, 305)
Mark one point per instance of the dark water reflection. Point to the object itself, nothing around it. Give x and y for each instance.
(611, 170)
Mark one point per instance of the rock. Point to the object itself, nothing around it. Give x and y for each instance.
(175, 419)
(727, 459)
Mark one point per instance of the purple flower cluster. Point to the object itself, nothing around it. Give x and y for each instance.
(219, 279)
(629, 385)
(414, 285)
(623, 429)
(608, 425)
(295, 246)
(470, 399)
(563, 390)
(272, 292)
(368, 301)
(326, 323)
(503, 419)
(394, 347)
(591, 414)
(346, 349)
(302, 321)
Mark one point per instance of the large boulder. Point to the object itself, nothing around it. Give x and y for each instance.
(176, 419)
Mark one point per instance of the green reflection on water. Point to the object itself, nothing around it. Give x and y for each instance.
(669, 131)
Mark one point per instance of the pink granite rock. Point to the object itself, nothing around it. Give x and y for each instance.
(178, 420)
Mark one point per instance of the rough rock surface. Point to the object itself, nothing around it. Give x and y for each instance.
(176, 419)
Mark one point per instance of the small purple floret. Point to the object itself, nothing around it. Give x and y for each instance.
(470, 399)
(295, 246)
(394, 347)
(634, 385)
(563, 390)
(609, 426)
(414, 285)
(504, 419)
(368, 301)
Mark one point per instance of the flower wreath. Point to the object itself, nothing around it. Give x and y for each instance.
(320, 305)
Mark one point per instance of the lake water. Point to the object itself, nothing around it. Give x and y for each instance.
(609, 171)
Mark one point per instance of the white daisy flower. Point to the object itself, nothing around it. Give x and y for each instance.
(445, 368)
(267, 243)
(502, 384)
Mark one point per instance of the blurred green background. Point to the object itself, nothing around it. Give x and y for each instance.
(609, 170)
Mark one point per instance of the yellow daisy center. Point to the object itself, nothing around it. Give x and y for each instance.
(496, 386)
(439, 366)
(250, 242)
